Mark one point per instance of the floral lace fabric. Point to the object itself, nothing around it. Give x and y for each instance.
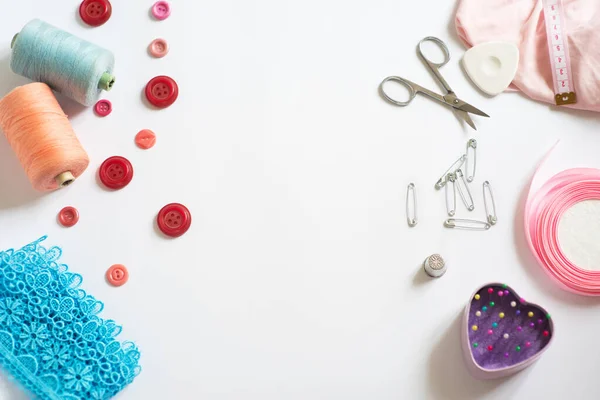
(51, 338)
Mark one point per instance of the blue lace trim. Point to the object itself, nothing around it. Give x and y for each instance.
(51, 338)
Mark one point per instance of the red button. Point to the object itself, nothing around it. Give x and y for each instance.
(162, 91)
(145, 139)
(103, 107)
(174, 219)
(117, 275)
(116, 172)
(95, 12)
(68, 216)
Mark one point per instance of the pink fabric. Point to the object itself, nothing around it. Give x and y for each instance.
(522, 22)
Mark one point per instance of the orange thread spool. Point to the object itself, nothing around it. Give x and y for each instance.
(40, 134)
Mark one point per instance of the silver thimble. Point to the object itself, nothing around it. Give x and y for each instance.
(434, 266)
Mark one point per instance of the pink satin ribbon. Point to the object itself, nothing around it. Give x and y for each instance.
(543, 211)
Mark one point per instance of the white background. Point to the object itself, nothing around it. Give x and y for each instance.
(299, 278)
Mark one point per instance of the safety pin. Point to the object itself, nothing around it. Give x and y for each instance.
(460, 181)
(487, 192)
(451, 178)
(456, 165)
(471, 159)
(411, 218)
(467, 224)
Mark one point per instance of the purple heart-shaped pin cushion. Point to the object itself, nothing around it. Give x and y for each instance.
(505, 333)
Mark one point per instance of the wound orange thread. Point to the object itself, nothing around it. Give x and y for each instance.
(42, 137)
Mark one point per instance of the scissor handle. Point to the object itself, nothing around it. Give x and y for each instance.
(412, 90)
(441, 44)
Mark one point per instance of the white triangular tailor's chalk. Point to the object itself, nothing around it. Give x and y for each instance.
(492, 65)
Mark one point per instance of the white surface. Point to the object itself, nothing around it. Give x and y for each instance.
(492, 65)
(299, 278)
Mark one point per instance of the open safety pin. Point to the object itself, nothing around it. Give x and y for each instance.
(456, 165)
(467, 224)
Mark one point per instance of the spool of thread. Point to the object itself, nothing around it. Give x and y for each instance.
(41, 136)
(70, 65)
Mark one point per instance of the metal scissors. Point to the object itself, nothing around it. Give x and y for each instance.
(460, 107)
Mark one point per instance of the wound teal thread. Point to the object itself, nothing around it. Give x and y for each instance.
(70, 65)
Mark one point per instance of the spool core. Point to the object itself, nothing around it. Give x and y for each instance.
(12, 42)
(107, 81)
(65, 179)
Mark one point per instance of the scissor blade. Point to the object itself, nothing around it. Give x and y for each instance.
(469, 108)
(466, 117)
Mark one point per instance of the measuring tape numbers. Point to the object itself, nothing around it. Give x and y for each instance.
(562, 78)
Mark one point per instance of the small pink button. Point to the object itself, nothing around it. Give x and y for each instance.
(103, 107)
(145, 139)
(161, 10)
(158, 48)
(117, 275)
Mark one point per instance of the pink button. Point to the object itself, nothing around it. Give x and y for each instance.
(161, 10)
(103, 107)
(158, 48)
(145, 139)
(117, 275)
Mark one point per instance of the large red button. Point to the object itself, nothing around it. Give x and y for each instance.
(95, 12)
(174, 219)
(162, 91)
(116, 172)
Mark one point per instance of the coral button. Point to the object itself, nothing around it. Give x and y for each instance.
(162, 91)
(95, 12)
(158, 48)
(68, 216)
(161, 10)
(116, 172)
(117, 275)
(174, 219)
(145, 139)
(103, 107)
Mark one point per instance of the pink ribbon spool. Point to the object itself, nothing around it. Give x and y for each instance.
(543, 212)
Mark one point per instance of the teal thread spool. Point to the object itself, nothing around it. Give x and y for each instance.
(70, 65)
